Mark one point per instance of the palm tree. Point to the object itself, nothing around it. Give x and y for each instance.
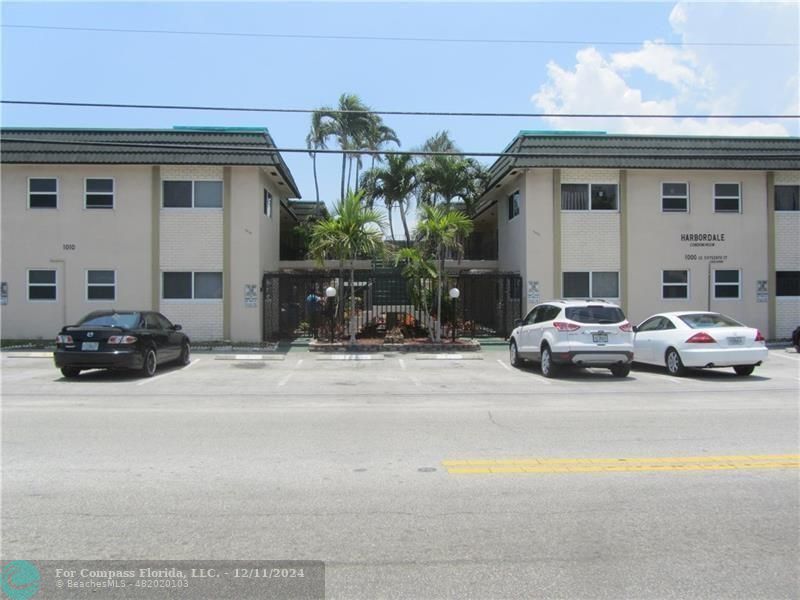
(378, 136)
(352, 230)
(394, 183)
(442, 229)
(419, 272)
(347, 124)
(317, 140)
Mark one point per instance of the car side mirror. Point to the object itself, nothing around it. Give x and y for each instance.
(518, 323)
(177, 327)
(635, 328)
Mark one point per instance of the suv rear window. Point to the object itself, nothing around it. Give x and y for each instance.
(595, 314)
(128, 320)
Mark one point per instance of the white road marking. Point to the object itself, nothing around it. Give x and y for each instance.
(415, 380)
(152, 379)
(402, 364)
(504, 365)
(283, 381)
(299, 362)
(787, 356)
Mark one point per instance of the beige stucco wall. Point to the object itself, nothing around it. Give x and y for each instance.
(655, 243)
(511, 233)
(538, 273)
(117, 239)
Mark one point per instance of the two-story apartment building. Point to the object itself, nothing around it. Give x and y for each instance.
(189, 222)
(655, 223)
(183, 221)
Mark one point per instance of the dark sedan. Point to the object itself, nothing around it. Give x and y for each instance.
(122, 339)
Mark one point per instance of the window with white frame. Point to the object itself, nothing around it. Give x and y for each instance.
(189, 285)
(787, 198)
(42, 192)
(268, 204)
(674, 197)
(674, 284)
(99, 193)
(590, 284)
(192, 194)
(101, 285)
(513, 205)
(727, 284)
(727, 198)
(589, 196)
(41, 285)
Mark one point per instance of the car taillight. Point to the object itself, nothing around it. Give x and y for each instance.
(626, 327)
(759, 337)
(561, 326)
(701, 338)
(122, 339)
(64, 339)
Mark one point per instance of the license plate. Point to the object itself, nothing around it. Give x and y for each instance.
(735, 341)
(600, 337)
(90, 345)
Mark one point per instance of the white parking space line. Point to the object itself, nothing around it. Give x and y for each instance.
(504, 365)
(350, 357)
(787, 356)
(402, 364)
(654, 377)
(415, 380)
(299, 362)
(163, 375)
(285, 380)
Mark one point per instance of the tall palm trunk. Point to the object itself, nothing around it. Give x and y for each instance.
(389, 213)
(316, 179)
(344, 164)
(403, 219)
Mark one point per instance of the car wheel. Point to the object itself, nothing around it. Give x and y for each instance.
(744, 370)
(513, 355)
(186, 355)
(674, 363)
(70, 372)
(620, 370)
(150, 363)
(548, 368)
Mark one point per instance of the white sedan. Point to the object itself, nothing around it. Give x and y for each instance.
(699, 340)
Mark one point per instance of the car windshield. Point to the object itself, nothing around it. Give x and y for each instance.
(706, 321)
(595, 314)
(126, 320)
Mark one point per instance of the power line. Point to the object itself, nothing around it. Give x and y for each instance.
(372, 38)
(397, 112)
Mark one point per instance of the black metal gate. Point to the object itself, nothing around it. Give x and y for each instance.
(487, 306)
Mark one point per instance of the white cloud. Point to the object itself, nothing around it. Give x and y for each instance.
(713, 79)
(669, 64)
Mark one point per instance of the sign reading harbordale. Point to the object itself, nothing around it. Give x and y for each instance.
(702, 239)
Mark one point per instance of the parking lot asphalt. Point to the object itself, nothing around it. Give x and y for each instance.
(416, 476)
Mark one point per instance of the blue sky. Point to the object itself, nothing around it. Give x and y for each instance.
(640, 76)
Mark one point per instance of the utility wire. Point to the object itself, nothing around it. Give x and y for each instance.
(372, 38)
(397, 112)
(250, 149)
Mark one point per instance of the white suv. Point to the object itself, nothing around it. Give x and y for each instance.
(586, 333)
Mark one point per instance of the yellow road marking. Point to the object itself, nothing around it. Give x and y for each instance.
(609, 465)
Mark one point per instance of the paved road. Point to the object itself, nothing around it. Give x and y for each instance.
(354, 462)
